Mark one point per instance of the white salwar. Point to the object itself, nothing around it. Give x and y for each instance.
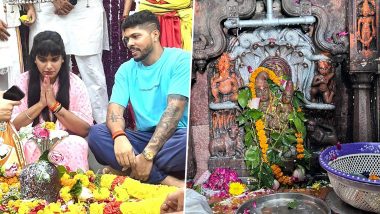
(11, 64)
(84, 32)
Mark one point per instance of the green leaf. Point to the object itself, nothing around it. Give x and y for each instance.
(241, 120)
(76, 189)
(293, 204)
(275, 135)
(80, 171)
(248, 138)
(252, 155)
(243, 97)
(254, 114)
(299, 95)
(299, 125)
(97, 180)
(290, 138)
(44, 156)
(61, 170)
(301, 116)
(296, 103)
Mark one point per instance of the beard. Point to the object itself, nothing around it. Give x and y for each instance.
(144, 53)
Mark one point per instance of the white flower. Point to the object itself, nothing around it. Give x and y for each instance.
(276, 185)
(85, 194)
(254, 103)
(299, 174)
(57, 134)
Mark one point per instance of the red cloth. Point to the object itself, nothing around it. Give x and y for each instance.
(170, 25)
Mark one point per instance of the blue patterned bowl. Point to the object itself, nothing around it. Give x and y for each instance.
(345, 164)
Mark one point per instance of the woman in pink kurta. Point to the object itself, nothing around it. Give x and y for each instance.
(55, 94)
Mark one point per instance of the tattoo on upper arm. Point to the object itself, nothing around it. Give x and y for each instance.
(169, 121)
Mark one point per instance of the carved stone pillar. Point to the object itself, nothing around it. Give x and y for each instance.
(364, 46)
(363, 129)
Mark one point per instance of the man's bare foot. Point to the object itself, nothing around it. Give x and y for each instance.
(172, 181)
(110, 170)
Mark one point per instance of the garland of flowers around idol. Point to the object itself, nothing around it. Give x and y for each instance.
(89, 193)
(279, 175)
(259, 123)
(252, 79)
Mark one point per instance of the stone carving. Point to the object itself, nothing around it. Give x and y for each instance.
(224, 84)
(222, 120)
(228, 144)
(263, 91)
(323, 83)
(286, 51)
(329, 22)
(321, 134)
(366, 24)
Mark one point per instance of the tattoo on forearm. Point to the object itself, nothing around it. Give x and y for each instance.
(115, 117)
(168, 122)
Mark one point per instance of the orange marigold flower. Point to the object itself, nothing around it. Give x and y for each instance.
(299, 140)
(373, 177)
(300, 156)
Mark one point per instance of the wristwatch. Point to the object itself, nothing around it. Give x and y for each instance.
(148, 155)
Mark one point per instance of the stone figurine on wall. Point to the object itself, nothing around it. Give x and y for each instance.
(224, 84)
(228, 144)
(322, 83)
(366, 24)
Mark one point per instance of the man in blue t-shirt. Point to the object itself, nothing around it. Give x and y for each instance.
(157, 84)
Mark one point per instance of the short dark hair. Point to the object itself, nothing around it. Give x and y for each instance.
(143, 18)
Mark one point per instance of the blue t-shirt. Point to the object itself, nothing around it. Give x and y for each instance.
(148, 87)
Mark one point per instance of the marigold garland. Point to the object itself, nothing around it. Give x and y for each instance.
(279, 175)
(262, 139)
(252, 79)
(300, 148)
(283, 179)
(114, 194)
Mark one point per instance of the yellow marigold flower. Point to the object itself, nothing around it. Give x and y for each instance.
(76, 208)
(96, 208)
(53, 208)
(64, 193)
(121, 194)
(83, 178)
(101, 194)
(316, 185)
(236, 188)
(66, 180)
(151, 206)
(4, 187)
(90, 173)
(49, 125)
(139, 190)
(106, 180)
(24, 208)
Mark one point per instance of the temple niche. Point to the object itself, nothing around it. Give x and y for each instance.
(309, 47)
